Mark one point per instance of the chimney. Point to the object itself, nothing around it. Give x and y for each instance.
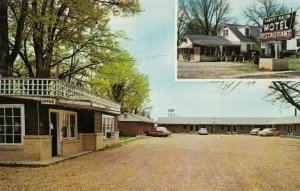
(295, 111)
(125, 115)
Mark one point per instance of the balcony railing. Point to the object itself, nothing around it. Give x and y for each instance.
(51, 88)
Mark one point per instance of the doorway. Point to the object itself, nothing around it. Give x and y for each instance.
(53, 130)
(272, 51)
(290, 130)
(234, 129)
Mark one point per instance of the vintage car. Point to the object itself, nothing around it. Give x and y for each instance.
(265, 132)
(158, 132)
(254, 131)
(164, 129)
(203, 131)
(269, 132)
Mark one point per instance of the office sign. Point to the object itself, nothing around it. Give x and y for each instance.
(280, 27)
(48, 101)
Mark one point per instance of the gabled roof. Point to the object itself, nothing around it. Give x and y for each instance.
(129, 117)
(208, 40)
(254, 32)
(228, 120)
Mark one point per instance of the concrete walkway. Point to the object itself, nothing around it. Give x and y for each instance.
(42, 163)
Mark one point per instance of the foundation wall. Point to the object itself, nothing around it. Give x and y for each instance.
(34, 148)
(70, 147)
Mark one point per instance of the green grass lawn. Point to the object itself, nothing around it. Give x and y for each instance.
(124, 138)
(294, 63)
(247, 68)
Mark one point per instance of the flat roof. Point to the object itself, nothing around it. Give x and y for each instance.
(229, 120)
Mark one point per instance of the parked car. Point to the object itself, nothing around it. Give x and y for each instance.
(254, 131)
(158, 132)
(269, 132)
(275, 132)
(164, 130)
(203, 131)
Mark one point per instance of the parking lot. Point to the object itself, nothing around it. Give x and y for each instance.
(178, 162)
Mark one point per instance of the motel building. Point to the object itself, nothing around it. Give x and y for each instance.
(230, 125)
(235, 39)
(45, 118)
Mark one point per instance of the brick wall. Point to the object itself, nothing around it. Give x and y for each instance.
(97, 122)
(88, 141)
(34, 148)
(128, 128)
(274, 64)
(70, 147)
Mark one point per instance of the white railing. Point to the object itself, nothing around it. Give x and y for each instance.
(51, 88)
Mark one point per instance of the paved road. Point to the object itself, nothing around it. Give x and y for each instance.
(180, 162)
(226, 70)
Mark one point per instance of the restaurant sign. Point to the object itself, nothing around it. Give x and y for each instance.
(280, 27)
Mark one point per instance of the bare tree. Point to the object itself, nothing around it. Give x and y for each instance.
(210, 15)
(181, 22)
(256, 12)
(285, 92)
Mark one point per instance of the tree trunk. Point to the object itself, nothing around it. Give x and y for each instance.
(5, 70)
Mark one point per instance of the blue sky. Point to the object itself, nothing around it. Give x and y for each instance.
(152, 40)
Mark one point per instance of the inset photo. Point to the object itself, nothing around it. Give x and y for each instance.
(231, 39)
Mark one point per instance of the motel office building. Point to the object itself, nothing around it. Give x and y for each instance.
(230, 125)
(44, 118)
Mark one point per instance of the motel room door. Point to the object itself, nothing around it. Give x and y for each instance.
(290, 130)
(54, 124)
(231, 129)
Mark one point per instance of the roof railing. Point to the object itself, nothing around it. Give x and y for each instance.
(43, 87)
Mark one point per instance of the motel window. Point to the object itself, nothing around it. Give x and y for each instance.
(11, 124)
(69, 125)
(184, 127)
(222, 128)
(107, 125)
(242, 128)
(298, 42)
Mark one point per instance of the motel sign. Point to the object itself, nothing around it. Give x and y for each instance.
(280, 27)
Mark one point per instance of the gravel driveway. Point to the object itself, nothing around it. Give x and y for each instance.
(228, 70)
(179, 162)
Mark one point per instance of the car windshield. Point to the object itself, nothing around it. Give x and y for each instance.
(162, 129)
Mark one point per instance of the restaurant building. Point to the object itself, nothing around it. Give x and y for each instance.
(44, 118)
(232, 40)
